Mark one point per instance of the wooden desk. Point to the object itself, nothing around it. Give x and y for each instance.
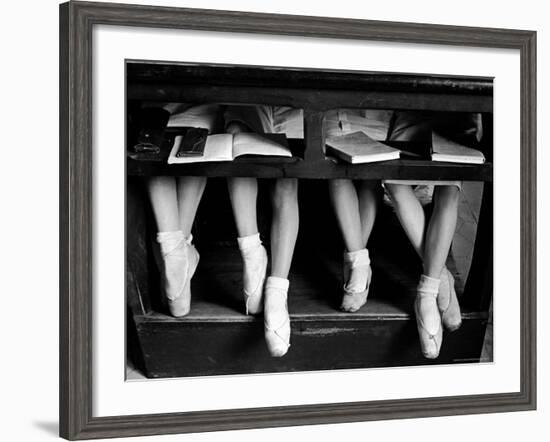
(315, 92)
(221, 339)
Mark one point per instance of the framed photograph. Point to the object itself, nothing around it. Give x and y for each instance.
(272, 220)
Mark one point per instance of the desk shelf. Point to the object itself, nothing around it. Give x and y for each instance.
(322, 169)
(302, 166)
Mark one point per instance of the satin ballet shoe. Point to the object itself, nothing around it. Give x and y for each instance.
(447, 302)
(278, 338)
(179, 262)
(276, 323)
(428, 320)
(254, 274)
(181, 305)
(357, 276)
(353, 301)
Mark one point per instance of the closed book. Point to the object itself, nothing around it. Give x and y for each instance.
(446, 150)
(357, 148)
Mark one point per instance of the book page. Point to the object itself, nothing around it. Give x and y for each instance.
(217, 148)
(246, 143)
(358, 144)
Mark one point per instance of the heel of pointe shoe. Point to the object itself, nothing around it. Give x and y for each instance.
(451, 315)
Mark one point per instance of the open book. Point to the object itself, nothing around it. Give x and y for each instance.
(447, 150)
(227, 147)
(357, 147)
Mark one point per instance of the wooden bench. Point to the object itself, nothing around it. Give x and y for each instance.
(216, 337)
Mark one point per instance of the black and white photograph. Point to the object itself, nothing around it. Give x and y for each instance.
(294, 219)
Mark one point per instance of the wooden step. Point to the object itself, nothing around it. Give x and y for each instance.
(218, 338)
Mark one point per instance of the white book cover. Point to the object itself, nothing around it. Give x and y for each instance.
(446, 150)
(357, 147)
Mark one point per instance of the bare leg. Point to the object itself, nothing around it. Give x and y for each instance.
(441, 230)
(439, 235)
(343, 196)
(410, 214)
(284, 231)
(178, 259)
(163, 195)
(190, 190)
(243, 193)
(433, 248)
(355, 212)
(284, 226)
(369, 193)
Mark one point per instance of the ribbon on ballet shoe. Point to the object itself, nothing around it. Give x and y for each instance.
(276, 312)
(278, 338)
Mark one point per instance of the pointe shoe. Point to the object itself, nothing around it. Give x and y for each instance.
(254, 273)
(353, 301)
(428, 319)
(447, 302)
(357, 275)
(278, 338)
(179, 262)
(181, 305)
(276, 321)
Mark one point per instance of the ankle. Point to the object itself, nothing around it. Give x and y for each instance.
(249, 244)
(277, 283)
(357, 258)
(428, 286)
(356, 271)
(276, 294)
(171, 241)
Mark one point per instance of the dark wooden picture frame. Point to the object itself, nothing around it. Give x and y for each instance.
(76, 23)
